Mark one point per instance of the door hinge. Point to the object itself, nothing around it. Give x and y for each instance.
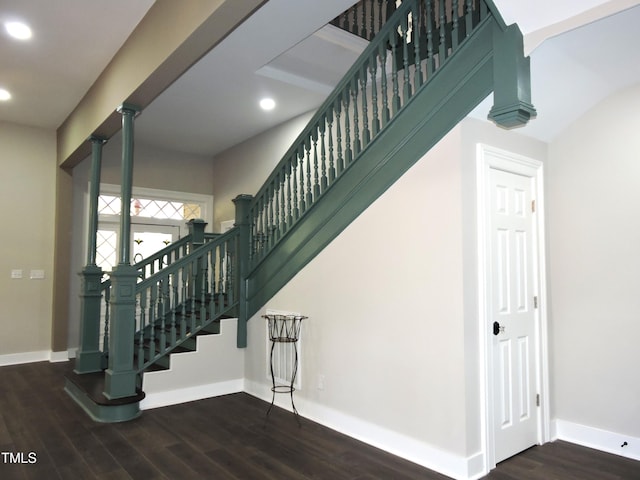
(535, 302)
(533, 206)
(537, 399)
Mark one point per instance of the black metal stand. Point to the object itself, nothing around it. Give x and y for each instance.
(284, 329)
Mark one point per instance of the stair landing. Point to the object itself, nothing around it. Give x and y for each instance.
(87, 391)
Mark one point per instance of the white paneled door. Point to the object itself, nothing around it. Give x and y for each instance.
(512, 310)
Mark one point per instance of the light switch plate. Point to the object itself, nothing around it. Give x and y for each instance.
(17, 273)
(36, 274)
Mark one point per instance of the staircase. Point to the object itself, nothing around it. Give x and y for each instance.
(181, 292)
(427, 65)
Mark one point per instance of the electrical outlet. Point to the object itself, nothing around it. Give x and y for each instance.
(16, 273)
(321, 382)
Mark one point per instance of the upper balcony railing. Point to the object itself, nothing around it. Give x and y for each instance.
(366, 18)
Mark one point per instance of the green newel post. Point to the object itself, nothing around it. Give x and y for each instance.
(511, 79)
(89, 356)
(196, 230)
(120, 376)
(243, 223)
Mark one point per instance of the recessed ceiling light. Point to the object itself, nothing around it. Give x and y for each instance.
(4, 95)
(18, 30)
(267, 104)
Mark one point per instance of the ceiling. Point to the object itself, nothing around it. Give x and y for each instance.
(73, 40)
(214, 105)
(572, 72)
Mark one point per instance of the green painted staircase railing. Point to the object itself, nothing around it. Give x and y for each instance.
(178, 294)
(424, 70)
(165, 295)
(183, 299)
(430, 64)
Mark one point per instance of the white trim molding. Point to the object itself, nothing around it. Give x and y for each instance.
(190, 394)
(598, 439)
(24, 357)
(32, 357)
(55, 357)
(412, 449)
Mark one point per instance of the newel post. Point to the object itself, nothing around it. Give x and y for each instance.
(120, 376)
(243, 223)
(511, 79)
(196, 230)
(89, 356)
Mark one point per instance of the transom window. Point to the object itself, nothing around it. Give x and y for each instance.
(149, 208)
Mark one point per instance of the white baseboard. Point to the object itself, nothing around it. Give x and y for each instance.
(446, 463)
(25, 357)
(55, 357)
(475, 466)
(190, 394)
(603, 440)
(40, 356)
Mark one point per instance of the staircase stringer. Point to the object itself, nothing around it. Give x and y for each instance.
(204, 325)
(453, 92)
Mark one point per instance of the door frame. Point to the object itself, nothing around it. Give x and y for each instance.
(489, 157)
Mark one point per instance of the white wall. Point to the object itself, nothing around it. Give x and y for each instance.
(155, 168)
(385, 309)
(242, 169)
(392, 301)
(593, 200)
(215, 368)
(27, 197)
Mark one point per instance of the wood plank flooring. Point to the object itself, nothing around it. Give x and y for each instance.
(223, 438)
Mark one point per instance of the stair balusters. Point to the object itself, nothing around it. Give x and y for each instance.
(404, 53)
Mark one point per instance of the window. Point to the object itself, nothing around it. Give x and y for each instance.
(156, 216)
(150, 208)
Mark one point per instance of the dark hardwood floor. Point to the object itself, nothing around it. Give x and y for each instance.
(223, 438)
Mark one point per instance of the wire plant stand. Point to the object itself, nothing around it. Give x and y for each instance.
(284, 329)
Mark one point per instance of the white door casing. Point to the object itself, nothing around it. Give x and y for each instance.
(511, 286)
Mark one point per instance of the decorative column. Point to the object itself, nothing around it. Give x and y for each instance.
(243, 223)
(120, 376)
(511, 79)
(124, 247)
(89, 357)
